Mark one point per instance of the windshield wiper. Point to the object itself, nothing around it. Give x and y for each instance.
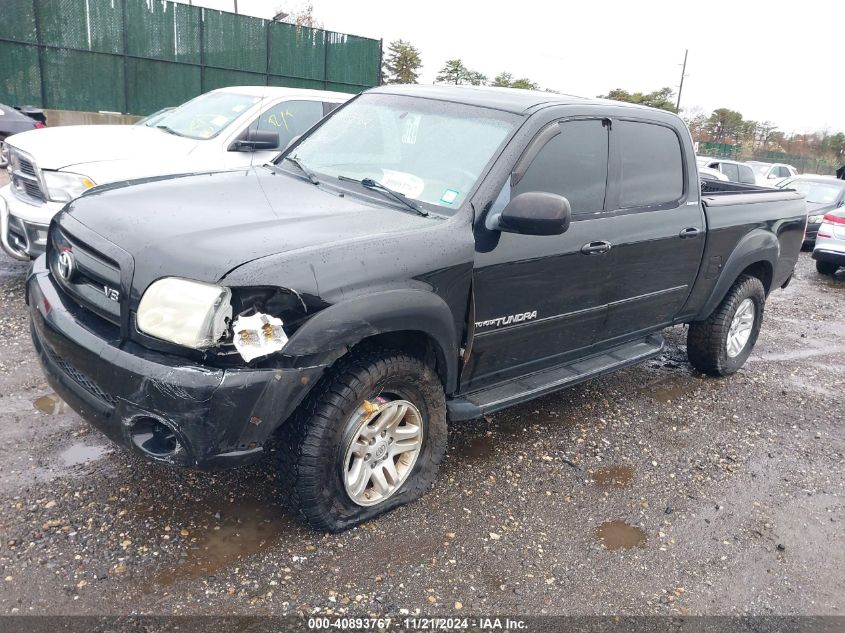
(169, 130)
(308, 173)
(369, 183)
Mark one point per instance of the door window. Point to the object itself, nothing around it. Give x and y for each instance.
(572, 164)
(731, 171)
(746, 174)
(289, 119)
(652, 165)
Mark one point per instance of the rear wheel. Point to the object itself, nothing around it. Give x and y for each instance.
(722, 343)
(826, 268)
(369, 439)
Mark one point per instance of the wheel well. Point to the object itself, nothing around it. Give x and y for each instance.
(763, 271)
(414, 342)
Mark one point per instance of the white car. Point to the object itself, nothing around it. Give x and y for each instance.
(229, 128)
(706, 173)
(734, 170)
(771, 174)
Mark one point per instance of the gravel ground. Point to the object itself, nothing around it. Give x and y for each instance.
(655, 490)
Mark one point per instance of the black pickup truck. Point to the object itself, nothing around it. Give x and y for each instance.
(423, 254)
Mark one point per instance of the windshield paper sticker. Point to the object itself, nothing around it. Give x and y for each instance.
(449, 196)
(411, 129)
(408, 185)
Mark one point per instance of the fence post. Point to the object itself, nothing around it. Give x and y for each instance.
(325, 60)
(200, 12)
(379, 76)
(268, 49)
(40, 45)
(125, 69)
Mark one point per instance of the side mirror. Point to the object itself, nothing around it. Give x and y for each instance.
(533, 213)
(255, 140)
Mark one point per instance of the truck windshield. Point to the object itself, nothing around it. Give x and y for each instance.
(427, 150)
(207, 115)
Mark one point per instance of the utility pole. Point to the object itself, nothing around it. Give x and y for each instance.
(681, 87)
(236, 7)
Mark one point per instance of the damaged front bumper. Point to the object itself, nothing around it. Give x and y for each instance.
(207, 417)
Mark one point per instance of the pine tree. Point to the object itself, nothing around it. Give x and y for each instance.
(402, 64)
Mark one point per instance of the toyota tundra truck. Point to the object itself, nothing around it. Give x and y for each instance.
(425, 255)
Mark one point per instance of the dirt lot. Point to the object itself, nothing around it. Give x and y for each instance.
(652, 491)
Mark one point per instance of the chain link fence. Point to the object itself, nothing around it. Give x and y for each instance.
(137, 56)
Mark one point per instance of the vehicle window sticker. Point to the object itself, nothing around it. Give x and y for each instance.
(449, 196)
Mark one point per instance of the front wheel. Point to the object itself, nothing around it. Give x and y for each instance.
(826, 268)
(722, 343)
(369, 439)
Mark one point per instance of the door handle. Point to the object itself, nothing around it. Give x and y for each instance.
(689, 232)
(595, 248)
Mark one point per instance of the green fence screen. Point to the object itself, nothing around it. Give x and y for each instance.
(137, 56)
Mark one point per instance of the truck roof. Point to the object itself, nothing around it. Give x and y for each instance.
(276, 91)
(509, 99)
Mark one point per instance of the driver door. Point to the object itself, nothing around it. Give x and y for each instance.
(540, 300)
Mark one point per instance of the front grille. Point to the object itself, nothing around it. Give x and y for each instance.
(27, 167)
(32, 189)
(26, 179)
(81, 379)
(94, 282)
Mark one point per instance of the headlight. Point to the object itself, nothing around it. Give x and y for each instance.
(63, 186)
(814, 219)
(186, 312)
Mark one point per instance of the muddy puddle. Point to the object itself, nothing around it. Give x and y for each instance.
(674, 388)
(81, 453)
(232, 532)
(619, 535)
(474, 448)
(51, 404)
(613, 476)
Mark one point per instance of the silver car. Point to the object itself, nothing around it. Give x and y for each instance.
(829, 251)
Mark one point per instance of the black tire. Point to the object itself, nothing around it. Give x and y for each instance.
(313, 443)
(826, 268)
(707, 340)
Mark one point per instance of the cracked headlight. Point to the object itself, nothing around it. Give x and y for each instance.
(189, 313)
(63, 186)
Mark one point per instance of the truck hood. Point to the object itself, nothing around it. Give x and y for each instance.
(73, 146)
(202, 226)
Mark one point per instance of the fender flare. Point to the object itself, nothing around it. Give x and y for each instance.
(347, 323)
(758, 246)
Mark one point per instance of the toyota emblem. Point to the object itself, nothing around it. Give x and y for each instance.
(66, 265)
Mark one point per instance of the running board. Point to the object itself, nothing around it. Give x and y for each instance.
(478, 403)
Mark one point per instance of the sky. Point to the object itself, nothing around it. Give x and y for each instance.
(770, 60)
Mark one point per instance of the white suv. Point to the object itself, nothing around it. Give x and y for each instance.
(771, 174)
(229, 128)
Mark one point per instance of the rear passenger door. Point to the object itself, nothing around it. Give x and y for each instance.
(657, 229)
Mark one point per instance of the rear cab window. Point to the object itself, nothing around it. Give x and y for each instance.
(652, 165)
